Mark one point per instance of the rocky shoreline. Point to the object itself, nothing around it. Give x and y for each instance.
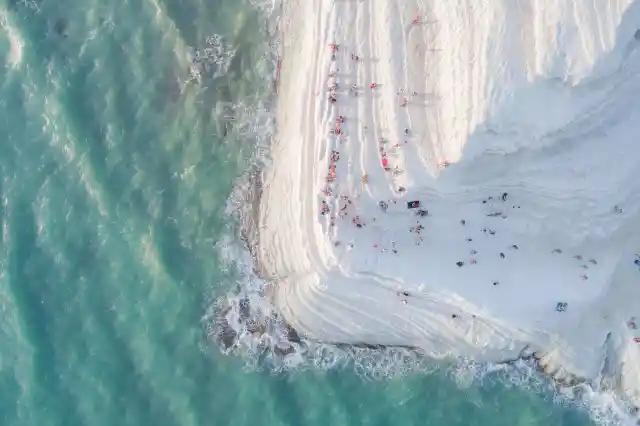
(251, 315)
(250, 319)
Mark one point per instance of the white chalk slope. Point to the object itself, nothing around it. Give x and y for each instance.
(536, 98)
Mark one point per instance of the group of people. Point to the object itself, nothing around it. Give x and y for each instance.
(333, 86)
(500, 213)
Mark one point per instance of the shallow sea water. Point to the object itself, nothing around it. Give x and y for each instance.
(115, 170)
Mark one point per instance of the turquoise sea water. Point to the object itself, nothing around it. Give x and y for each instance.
(115, 169)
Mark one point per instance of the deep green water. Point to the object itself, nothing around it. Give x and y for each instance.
(115, 174)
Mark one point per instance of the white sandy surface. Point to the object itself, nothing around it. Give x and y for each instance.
(535, 98)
